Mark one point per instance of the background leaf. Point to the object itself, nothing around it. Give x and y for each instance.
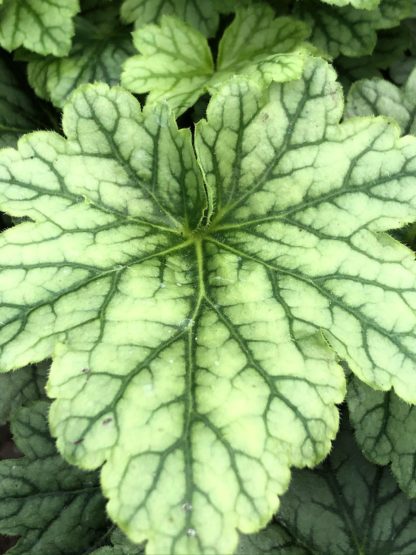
(385, 429)
(43, 26)
(100, 46)
(346, 30)
(176, 63)
(19, 113)
(202, 15)
(55, 508)
(380, 97)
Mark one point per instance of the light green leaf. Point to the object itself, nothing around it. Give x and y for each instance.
(392, 12)
(346, 30)
(228, 6)
(55, 508)
(18, 112)
(21, 387)
(190, 340)
(176, 63)
(348, 506)
(391, 47)
(44, 26)
(201, 15)
(379, 97)
(359, 4)
(339, 30)
(100, 47)
(385, 428)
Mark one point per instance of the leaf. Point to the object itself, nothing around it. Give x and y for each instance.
(275, 539)
(392, 12)
(359, 4)
(201, 15)
(379, 97)
(190, 334)
(100, 47)
(20, 388)
(120, 546)
(44, 26)
(338, 31)
(346, 30)
(55, 508)
(347, 506)
(390, 48)
(385, 429)
(18, 112)
(176, 63)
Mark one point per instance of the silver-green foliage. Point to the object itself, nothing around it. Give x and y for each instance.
(100, 46)
(44, 26)
(176, 64)
(347, 30)
(197, 297)
(56, 509)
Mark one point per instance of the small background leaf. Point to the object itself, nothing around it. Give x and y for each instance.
(55, 508)
(44, 26)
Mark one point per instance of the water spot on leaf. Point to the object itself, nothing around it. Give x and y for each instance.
(148, 388)
(191, 532)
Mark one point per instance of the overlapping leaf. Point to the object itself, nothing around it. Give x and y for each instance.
(201, 15)
(185, 311)
(44, 26)
(386, 431)
(346, 506)
(55, 508)
(347, 30)
(275, 539)
(176, 63)
(120, 546)
(20, 388)
(100, 47)
(18, 112)
(359, 4)
(380, 97)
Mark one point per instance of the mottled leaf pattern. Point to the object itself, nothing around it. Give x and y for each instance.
(175, 61)
(379, 97)
(44, 26)
(99, 49)
(201, 15)
(18, 111)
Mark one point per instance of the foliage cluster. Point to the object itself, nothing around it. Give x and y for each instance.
(207, 276)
